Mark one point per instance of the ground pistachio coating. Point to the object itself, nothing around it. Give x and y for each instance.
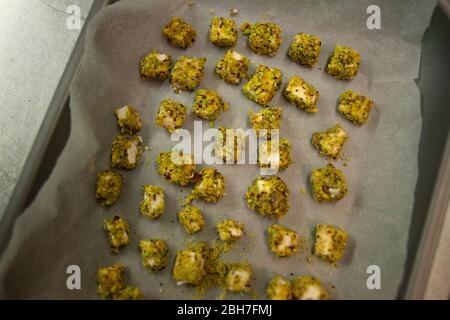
(153, 203)
(110, 280)
(263, 85)
(308, 288)
(128, 119)
(209, 104)
(191, 218)
(117, 229)
(279, 289)
(190, 263)
(344, 63)
(171, 115)
(268, 158)
(268, 196)
(209, 186)
(355, 107)
(179, 172)
(108, 187)
(238, 277)
(263, 37)
(230, 230)
(129, 293)
(233, 67)
(187, 73)
(328, 184)
(180, 33)
(126, 152)
(155, 65)
(301, 94)
(223, 32)
(267, 119)
(330, 143)
(330, 242)
(229, 144)
(154, 254)
(284, 242)
(305, 49)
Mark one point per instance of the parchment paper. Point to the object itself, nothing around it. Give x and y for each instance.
(64, 224)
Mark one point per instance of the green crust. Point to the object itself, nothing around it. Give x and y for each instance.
(263, 38)
(210, 186)
(238, 277)
(154, 254)
(263, 85)
(279, 289)
(128, 120)
(171, 115)
(330, 143)
(191, 219)
(110, 280)
(180, 33)
(187, 73)
(190, 263)
(126, 152)
(283, 242)
(108, 187)
(305, 49)
(268, 196)
(355, 107)
(230, 230)
(229, 144)
(344, 63)
(209, 105)
(117, 229)
(223, 32)
(155, 65)
(266, 119)
(301, 94)
(308, 288)
(267, 157)
(153, 203)
(178, 173)
(328, 184)
(233, 67)
(330, 242)
(129, 293)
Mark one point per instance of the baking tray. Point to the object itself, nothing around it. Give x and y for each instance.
(432, 190)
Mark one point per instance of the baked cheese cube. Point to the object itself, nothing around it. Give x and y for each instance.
(355, 107)
(233, 67)
(267, 119)
(153, 203)
(229, 144)
(191, 219)
(305, 49)
(328, 184)
(270, 157)
(301, 94)
(210, 185)
(209, 104)
(108, 187)
(128, 119)
(126, 152)
(110, 280)
(154, 254)
(330, 242)
(230, 230)
(238, 277)
(189, 267)
(223, 32)
(308, 288)
(263, 38)
(187, 73)
(284, 242)
(330, 143)
(117, 229)
(344, 63)
(179, 170)
(263, 85)
(279, 289)
(180, 33)
(171, 115)
(155, 65)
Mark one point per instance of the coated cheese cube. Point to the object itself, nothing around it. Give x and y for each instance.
(126, 152)
(230, 230)
(229, 144)
(284, 242)
(187, 73)
(153, 203)
(263, 38)
(308, 288)
(209, 105)
(330, 143)
(344, 63)
(179, 170)
(108, 187)
(223, 32)
(279, 289)
(192, 219)
(210, 185)
(301, 94)
(238, 277)
(189, 267)
(117, 229)
(263, 85)
(128, 120)
(180, 33)
(355, 107)
(233, 67)
(154, 254)
(110, 280)
(330, 242)
(171, 115)
(155, 65)
(267, 119)
(305, 49)
(268, 158)
(328, 184)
